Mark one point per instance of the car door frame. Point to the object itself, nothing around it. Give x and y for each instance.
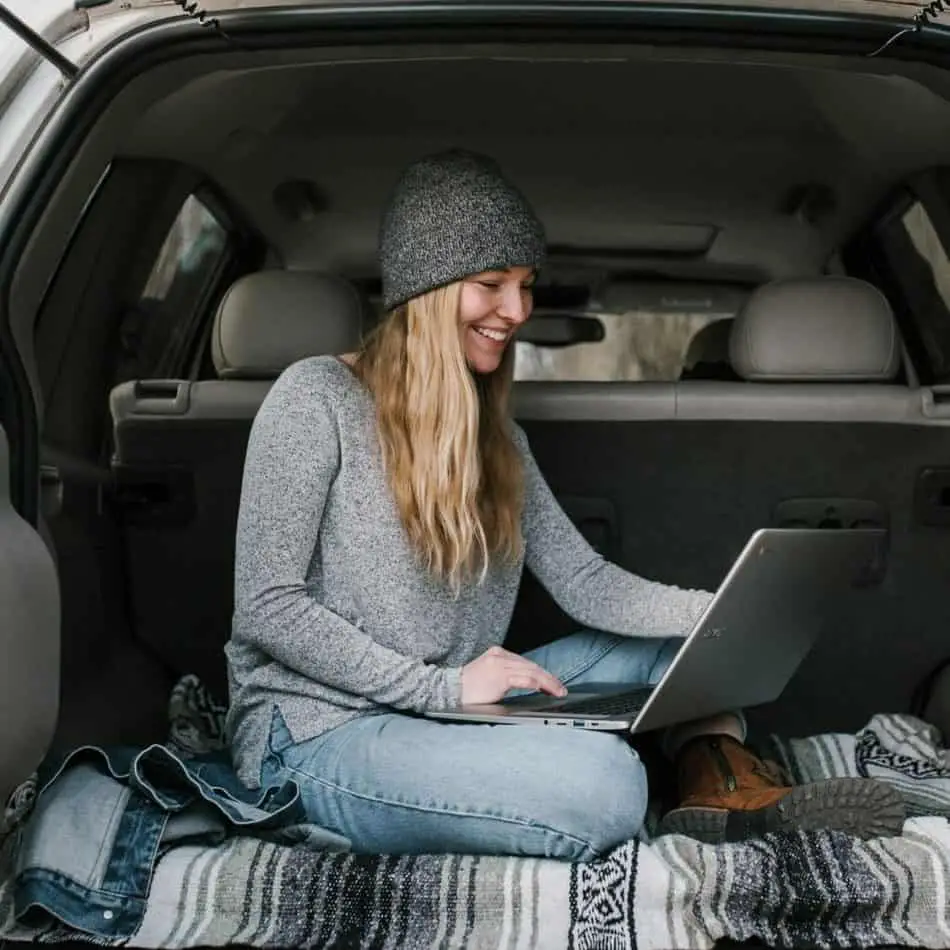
(29, 587)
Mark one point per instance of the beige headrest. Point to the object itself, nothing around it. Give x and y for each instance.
(271, 319)
(829, 329)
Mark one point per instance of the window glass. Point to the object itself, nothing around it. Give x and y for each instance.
(157, 332)
(638, 345)
(921, 267)
(193, 248)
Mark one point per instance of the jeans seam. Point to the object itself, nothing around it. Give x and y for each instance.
(377, 799)
(590, 661)
(659, 654)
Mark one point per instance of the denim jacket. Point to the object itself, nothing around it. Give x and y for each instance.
(103, 818)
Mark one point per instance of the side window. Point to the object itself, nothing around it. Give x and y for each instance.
(922, 268)
(158, 332)
(904, 252)
(649, 345)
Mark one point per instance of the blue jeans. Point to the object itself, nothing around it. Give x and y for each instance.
(397, 784)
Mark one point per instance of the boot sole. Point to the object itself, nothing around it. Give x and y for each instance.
(860, 807)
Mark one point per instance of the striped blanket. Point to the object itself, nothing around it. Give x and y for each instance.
(793, 890)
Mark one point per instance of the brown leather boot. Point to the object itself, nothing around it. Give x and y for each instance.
(727, 793)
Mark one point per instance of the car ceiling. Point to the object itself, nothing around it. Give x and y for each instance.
(611, 147)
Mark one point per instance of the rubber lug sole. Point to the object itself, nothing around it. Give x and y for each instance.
(860, 807)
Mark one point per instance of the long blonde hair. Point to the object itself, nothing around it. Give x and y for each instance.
(444, 433)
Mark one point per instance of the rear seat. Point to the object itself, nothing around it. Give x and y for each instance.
(179, 458)
(667, 479)
(829, 332)
(676, 477)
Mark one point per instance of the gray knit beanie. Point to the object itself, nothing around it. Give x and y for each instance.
(454, 214)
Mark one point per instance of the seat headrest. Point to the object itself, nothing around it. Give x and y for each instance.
(827, 329)
(270, 319)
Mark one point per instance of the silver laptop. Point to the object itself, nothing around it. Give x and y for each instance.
(743, 651)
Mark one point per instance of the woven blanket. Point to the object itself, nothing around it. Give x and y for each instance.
(792, 890)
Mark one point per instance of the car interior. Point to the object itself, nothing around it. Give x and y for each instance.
(776, 219)
(720, 173)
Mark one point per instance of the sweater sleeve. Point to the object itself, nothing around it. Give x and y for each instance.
(292, 460)
(588, 588)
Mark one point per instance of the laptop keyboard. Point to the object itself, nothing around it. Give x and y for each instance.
(617, 704)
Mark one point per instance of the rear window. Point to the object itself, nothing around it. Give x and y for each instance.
(654, 343)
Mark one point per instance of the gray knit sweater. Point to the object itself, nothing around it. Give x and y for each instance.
(334, 618)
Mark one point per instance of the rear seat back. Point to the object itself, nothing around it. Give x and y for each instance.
(675, 477)
(179, 458)
(667, 479)
(831, 332)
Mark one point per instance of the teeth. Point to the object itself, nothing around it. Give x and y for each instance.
(497, 335)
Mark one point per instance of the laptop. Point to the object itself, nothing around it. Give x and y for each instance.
(743, 650)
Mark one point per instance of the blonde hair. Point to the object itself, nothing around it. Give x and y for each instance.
(444, 432)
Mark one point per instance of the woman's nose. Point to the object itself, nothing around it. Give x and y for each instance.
(515, 305)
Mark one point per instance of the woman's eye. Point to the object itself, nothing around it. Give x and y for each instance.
(490, 284)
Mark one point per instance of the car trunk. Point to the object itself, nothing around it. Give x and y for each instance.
(680, 176)
(659, 158)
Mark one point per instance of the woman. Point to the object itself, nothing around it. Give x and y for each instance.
(389, 505)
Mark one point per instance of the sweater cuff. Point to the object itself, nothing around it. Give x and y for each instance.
(447, 688)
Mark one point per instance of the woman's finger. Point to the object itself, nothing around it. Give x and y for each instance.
(548, 682)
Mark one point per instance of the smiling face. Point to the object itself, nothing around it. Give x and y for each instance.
(493, 305)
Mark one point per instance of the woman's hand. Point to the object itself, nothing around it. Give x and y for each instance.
(497, 670)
